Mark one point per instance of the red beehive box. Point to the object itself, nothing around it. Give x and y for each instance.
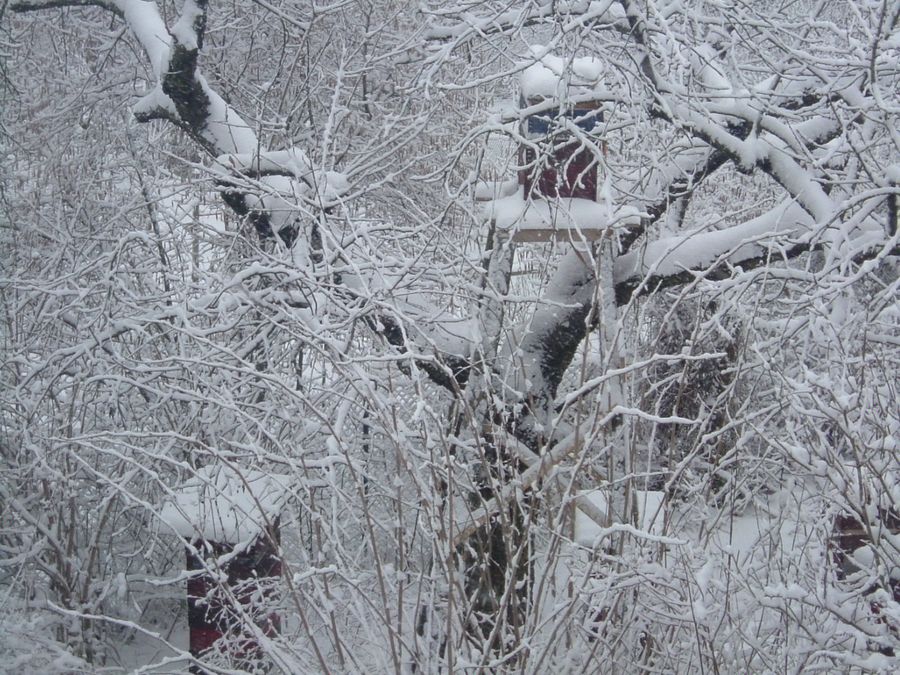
(230, 522)
(559, 158)
(853, 554)
(561, 165)
(852, 542)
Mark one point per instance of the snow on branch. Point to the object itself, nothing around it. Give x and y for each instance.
(42, 5)
(783, 233)
(189, 28)
(325, 187)
(697, 250)
(499, 18)
(539, 467)
(181, 94)
(292, 162)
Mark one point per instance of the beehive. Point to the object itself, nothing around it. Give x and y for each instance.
(229, 520)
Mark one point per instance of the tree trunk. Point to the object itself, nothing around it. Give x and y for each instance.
(496, 559)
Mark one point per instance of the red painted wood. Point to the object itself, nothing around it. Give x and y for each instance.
(568, 170)
(850, 534)
(202, 639)
(562, 166)
(250, 579)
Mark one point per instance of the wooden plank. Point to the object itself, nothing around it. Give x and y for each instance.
(536, 236)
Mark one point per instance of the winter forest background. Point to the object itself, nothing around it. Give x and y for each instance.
(242, 237)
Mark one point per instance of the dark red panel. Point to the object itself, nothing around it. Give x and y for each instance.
(250, 575)
(570, 170)
(202, 639)
(849, 535)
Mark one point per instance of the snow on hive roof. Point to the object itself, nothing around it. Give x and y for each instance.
(224, 504)
(548, 76)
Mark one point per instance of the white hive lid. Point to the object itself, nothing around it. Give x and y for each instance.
(226, 504)
(551, 76)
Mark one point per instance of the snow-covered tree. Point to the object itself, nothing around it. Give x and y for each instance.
(247, 235)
